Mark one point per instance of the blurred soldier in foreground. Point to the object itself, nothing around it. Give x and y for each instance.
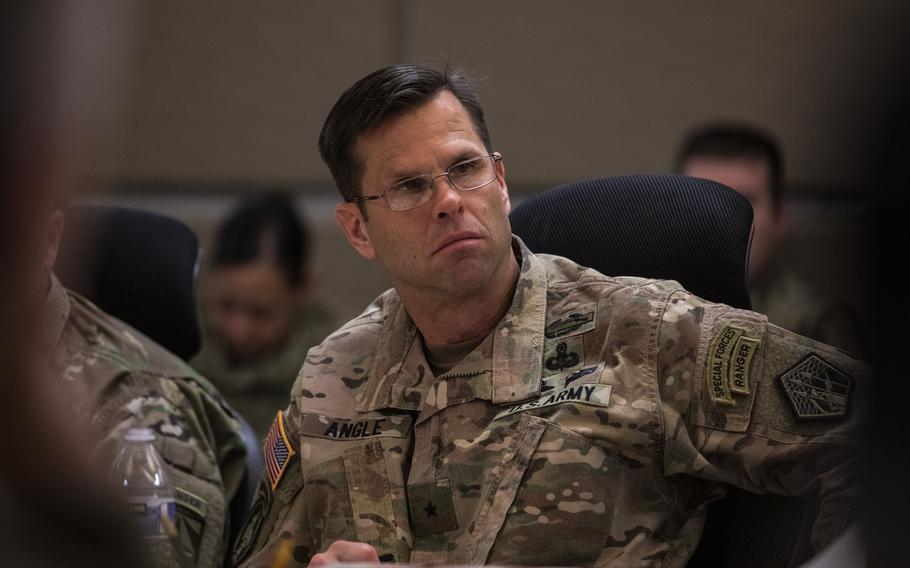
(503, 407)
(56, 508)
(261, 319)
(117, 379)
(750, 162)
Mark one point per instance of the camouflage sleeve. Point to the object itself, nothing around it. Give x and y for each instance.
(277, 530)
(750, 404)
(200, 443)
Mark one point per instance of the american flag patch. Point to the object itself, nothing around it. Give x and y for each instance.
(277, 450)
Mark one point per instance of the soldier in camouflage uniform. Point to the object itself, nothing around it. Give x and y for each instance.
(116, 379)
(503, 407)
(260, 314)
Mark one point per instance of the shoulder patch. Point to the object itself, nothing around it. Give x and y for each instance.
(729, 363)
(741, 364)
(815, 389)
(191, 515)
(277, 450)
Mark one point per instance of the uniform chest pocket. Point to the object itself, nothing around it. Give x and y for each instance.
(551, 500)
(357, 496)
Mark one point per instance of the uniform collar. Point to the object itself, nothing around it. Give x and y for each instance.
(401, 375)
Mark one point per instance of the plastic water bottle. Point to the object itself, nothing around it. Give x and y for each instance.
(146, 488)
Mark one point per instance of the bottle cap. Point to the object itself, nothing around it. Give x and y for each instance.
(140, 435)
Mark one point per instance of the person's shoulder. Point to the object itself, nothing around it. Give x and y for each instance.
(362, 332)
(564, 274)
(340, 366)
(121, 379)
(115, 347)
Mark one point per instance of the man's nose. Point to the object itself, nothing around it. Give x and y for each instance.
(448, 201)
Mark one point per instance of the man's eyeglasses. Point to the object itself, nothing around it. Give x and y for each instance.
(466, 175)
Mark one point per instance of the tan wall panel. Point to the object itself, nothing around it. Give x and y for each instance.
(238, 90)
(583, 88)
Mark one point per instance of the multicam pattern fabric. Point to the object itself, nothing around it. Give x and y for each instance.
(119, 379)
(483, 464)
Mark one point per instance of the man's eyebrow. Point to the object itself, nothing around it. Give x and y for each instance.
(465, 155)
(403, 174)
(399, 175)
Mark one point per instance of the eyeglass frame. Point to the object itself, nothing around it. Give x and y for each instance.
(495, 156)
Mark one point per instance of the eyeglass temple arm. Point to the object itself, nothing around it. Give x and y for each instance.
(365, 198)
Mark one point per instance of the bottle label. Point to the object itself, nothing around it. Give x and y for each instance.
(153, 516)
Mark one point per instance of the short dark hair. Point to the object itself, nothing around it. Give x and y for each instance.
(383, 95)
(265, 226)
(731, 140)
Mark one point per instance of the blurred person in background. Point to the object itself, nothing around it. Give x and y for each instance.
(750, 161)
(260, 317)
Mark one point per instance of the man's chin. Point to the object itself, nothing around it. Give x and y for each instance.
(465, 278)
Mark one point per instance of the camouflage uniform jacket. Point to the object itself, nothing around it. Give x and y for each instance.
(590, 428)
(119, 379)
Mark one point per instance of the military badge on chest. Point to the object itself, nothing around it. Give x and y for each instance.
(564, 343)
(572, 323)
(563, 355)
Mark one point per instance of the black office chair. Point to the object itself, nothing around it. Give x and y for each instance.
(141, 268)
(698, 233)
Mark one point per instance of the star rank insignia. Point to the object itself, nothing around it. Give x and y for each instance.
(432, 508)
(815, 389)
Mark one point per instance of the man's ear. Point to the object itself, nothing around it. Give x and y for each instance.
(354, 226)
(501, 178)
(52, 235)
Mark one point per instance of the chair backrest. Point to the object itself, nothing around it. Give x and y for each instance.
(698, 233)
(139, 267)
(673, 227)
